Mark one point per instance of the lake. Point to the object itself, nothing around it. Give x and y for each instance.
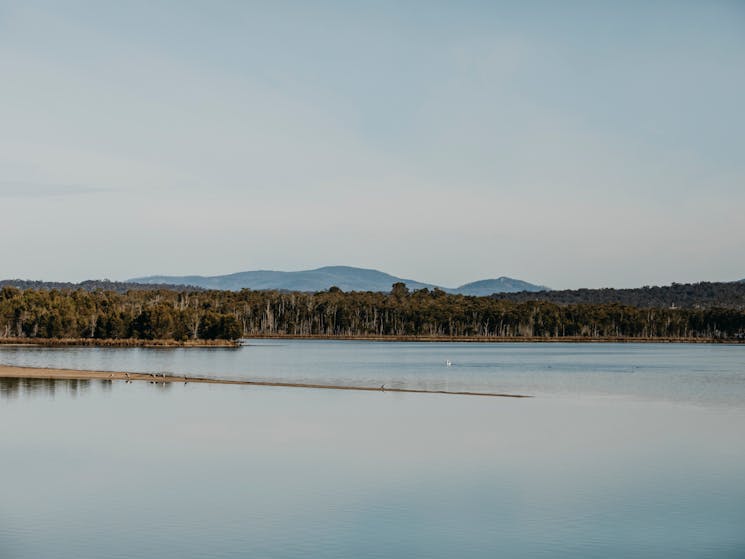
(626, 450)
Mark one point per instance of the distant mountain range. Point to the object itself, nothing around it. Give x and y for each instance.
(346, 278)
(703, 295)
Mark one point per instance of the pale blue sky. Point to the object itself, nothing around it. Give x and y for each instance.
(565, 143)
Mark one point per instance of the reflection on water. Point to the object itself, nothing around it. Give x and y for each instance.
(11, 388)
(230, 471)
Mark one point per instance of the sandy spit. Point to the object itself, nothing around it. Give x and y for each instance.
(11, 371)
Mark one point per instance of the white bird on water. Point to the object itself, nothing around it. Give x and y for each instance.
(448, 363)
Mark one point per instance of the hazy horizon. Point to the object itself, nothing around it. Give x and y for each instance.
(568, 145)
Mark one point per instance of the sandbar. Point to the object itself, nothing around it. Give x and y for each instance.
(12, 371)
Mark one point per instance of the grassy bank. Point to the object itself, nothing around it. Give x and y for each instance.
(502, 339)
(128, 342)
(132, 342)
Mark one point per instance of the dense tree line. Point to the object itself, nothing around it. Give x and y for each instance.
(157, 314)
(139, 314)
(686, 295)
(94, 285)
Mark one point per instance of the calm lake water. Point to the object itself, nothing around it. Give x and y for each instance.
(626, 451)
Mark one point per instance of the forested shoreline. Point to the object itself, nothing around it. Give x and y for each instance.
(226, 315)
(94, 285)
(702, 295)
